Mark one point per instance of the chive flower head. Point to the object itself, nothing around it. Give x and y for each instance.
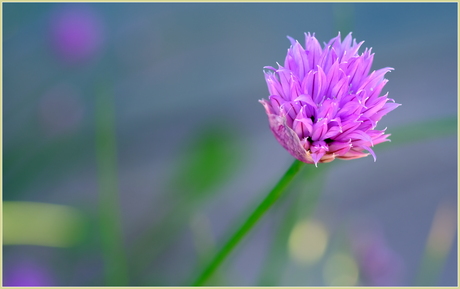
(325, 103)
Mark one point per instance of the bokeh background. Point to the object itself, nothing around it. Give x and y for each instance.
(134, 143)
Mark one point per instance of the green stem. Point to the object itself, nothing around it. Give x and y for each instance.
(301, 206)
(269, 200)
(109, 218)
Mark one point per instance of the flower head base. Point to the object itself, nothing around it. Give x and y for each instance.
(324, 104)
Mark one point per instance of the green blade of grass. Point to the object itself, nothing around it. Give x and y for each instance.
(421, 131)
(111, 233)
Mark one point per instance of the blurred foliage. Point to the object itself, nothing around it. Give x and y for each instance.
(206, 162)
(116, 269)
(29, 223)
(425, 130)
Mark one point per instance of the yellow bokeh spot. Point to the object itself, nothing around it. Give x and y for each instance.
(341, 270)
(308, 242)
(30, 223)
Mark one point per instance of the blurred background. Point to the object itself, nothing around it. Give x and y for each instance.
(134, 144)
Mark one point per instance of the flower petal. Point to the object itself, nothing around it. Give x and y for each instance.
(288, 138)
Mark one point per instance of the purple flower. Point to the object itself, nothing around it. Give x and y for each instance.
(324, 104)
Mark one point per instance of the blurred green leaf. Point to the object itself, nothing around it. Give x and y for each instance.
(109, 208)
(425, 130)
(29, 223)
(206, 161)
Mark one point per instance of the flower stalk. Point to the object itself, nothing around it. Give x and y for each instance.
(263, 207)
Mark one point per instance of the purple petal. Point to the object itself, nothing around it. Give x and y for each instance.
(332, 132)
(313, 49)
(352, 154)
(339, 148)
(318, 150)
(319, 129)
(303, 125)
(288, 138)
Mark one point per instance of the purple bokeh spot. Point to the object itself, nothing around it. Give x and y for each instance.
(26, 273)
(76, 33)
(380, 265)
